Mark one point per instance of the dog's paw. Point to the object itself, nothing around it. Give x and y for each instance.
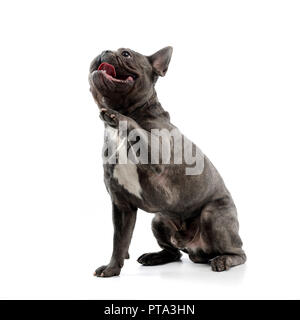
(156, 258)
(110, 116)
(107, 271)
(220, 263)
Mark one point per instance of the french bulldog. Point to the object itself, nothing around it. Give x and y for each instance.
(194, 211)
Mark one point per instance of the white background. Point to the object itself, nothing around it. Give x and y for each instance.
(232, 87)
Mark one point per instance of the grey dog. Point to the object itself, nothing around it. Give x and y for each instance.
(194, 213)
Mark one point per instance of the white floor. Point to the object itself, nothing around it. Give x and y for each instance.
(180, 280)
(61, 267)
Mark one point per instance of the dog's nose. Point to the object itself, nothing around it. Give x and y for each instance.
(105, 55)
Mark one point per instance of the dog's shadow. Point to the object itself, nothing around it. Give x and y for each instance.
(186, 270)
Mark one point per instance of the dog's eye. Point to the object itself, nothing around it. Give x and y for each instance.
(126, 54)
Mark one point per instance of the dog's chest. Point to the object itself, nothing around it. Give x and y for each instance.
(125, 174)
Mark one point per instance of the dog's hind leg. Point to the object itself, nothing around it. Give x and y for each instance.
(162, 231)
(219, 228)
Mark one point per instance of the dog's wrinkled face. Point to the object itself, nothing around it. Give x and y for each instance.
(124, 77)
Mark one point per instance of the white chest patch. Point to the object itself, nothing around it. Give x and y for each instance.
(127, 176)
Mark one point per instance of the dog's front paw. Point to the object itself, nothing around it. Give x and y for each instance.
(107, 271)
(220, 263)
(110, 116)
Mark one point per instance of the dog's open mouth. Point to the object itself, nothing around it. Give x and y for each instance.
(109, 72)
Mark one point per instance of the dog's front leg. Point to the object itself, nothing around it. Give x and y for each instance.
(124, 217)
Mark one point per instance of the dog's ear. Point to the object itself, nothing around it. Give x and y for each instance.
(160, 60)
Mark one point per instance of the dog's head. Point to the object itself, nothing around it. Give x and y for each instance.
(124, 77)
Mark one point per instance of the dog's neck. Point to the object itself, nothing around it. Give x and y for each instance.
(149, 112)
(142, 105)
(147, 109)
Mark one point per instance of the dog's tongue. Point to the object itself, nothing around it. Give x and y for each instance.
(108, 68)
